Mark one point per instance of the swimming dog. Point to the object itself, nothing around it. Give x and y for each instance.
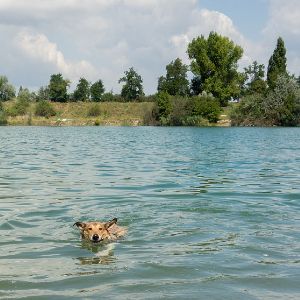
(97, 232)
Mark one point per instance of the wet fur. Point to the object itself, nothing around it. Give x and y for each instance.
(101, 231)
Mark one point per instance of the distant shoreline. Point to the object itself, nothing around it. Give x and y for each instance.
(91, 114)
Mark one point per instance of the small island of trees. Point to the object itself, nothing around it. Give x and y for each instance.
(251, 97)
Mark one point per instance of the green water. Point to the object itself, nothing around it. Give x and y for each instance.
(212, 213)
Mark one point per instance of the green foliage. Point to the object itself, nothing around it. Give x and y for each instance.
(132, 88)
(20, 107)
(175, 82)
(249, 111)
(3, 119)
(164, 105)
(280, 107)
(205, 106)
(196, 87)
(24, 95)
(277, 64)
(108, 97)
(214, 61)
(82, 91)
(254, 79)
(44, 108)
(94, 110)
(7, 91)
(43, 93)
(97, 90)
(58, 88)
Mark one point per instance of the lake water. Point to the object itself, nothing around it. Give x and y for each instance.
(212, 213)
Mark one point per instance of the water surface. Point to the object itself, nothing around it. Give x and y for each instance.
(212, 213)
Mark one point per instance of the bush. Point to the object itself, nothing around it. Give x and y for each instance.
(280, 107)
(164, 105)
(3, 120)
(195, 121)
(44, 109)
(94, 110)
(20, 108)
(205, 106)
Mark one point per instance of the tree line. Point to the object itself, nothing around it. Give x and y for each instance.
(264, 99)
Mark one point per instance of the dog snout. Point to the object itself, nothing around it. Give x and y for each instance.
(95, 237)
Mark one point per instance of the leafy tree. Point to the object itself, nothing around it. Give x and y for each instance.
(214, 61)
(254, 77)
(7, 91)
(97, 90)
(175, 82)
(25, 95)
(82, 91)
(163, 104)
(280, 107)
(133, 88)
(277, 63)
(195, 88)
(3, 119)
(43, 93)
(58, 88)
(282, 104)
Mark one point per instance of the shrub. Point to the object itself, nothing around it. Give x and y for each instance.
(3, 119)
(19, 108)
(94, 110)
(205, 106)
(44, 109)
(195, 121)
(164, 104)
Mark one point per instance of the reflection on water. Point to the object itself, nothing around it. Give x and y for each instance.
(212, 213)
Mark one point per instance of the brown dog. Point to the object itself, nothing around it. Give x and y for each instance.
(101, 231)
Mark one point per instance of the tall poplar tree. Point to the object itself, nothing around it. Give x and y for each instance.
(277, 64)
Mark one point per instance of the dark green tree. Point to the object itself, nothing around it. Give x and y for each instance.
(133, 85)
(58, 88)
(196, 88)
(97, 90)
(43, 93)
(7, 91)
(254, 79)
(82, 91)
(214, 61)
(175, 82)
(164, 105)
(277, 64)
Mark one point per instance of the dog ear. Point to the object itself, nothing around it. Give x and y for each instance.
(110, 223)
(80, 225)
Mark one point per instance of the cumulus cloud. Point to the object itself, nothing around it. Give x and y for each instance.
(39, 47)
(100, 39)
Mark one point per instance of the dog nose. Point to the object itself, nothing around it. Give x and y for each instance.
(95, 237)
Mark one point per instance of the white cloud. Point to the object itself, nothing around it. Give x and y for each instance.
(284, 21)
(39, 47)
(100, 39)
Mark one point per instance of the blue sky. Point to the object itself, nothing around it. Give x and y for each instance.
(250, 16)
(100, 39)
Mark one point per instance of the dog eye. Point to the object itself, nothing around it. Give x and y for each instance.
(90, 228)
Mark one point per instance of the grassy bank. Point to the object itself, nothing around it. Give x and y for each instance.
(90, 113)
(83, 113)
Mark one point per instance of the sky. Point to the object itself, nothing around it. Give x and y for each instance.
(100, 39)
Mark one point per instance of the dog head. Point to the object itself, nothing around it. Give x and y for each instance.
(96, 231)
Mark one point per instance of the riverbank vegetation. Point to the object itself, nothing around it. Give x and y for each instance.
(198, 94)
